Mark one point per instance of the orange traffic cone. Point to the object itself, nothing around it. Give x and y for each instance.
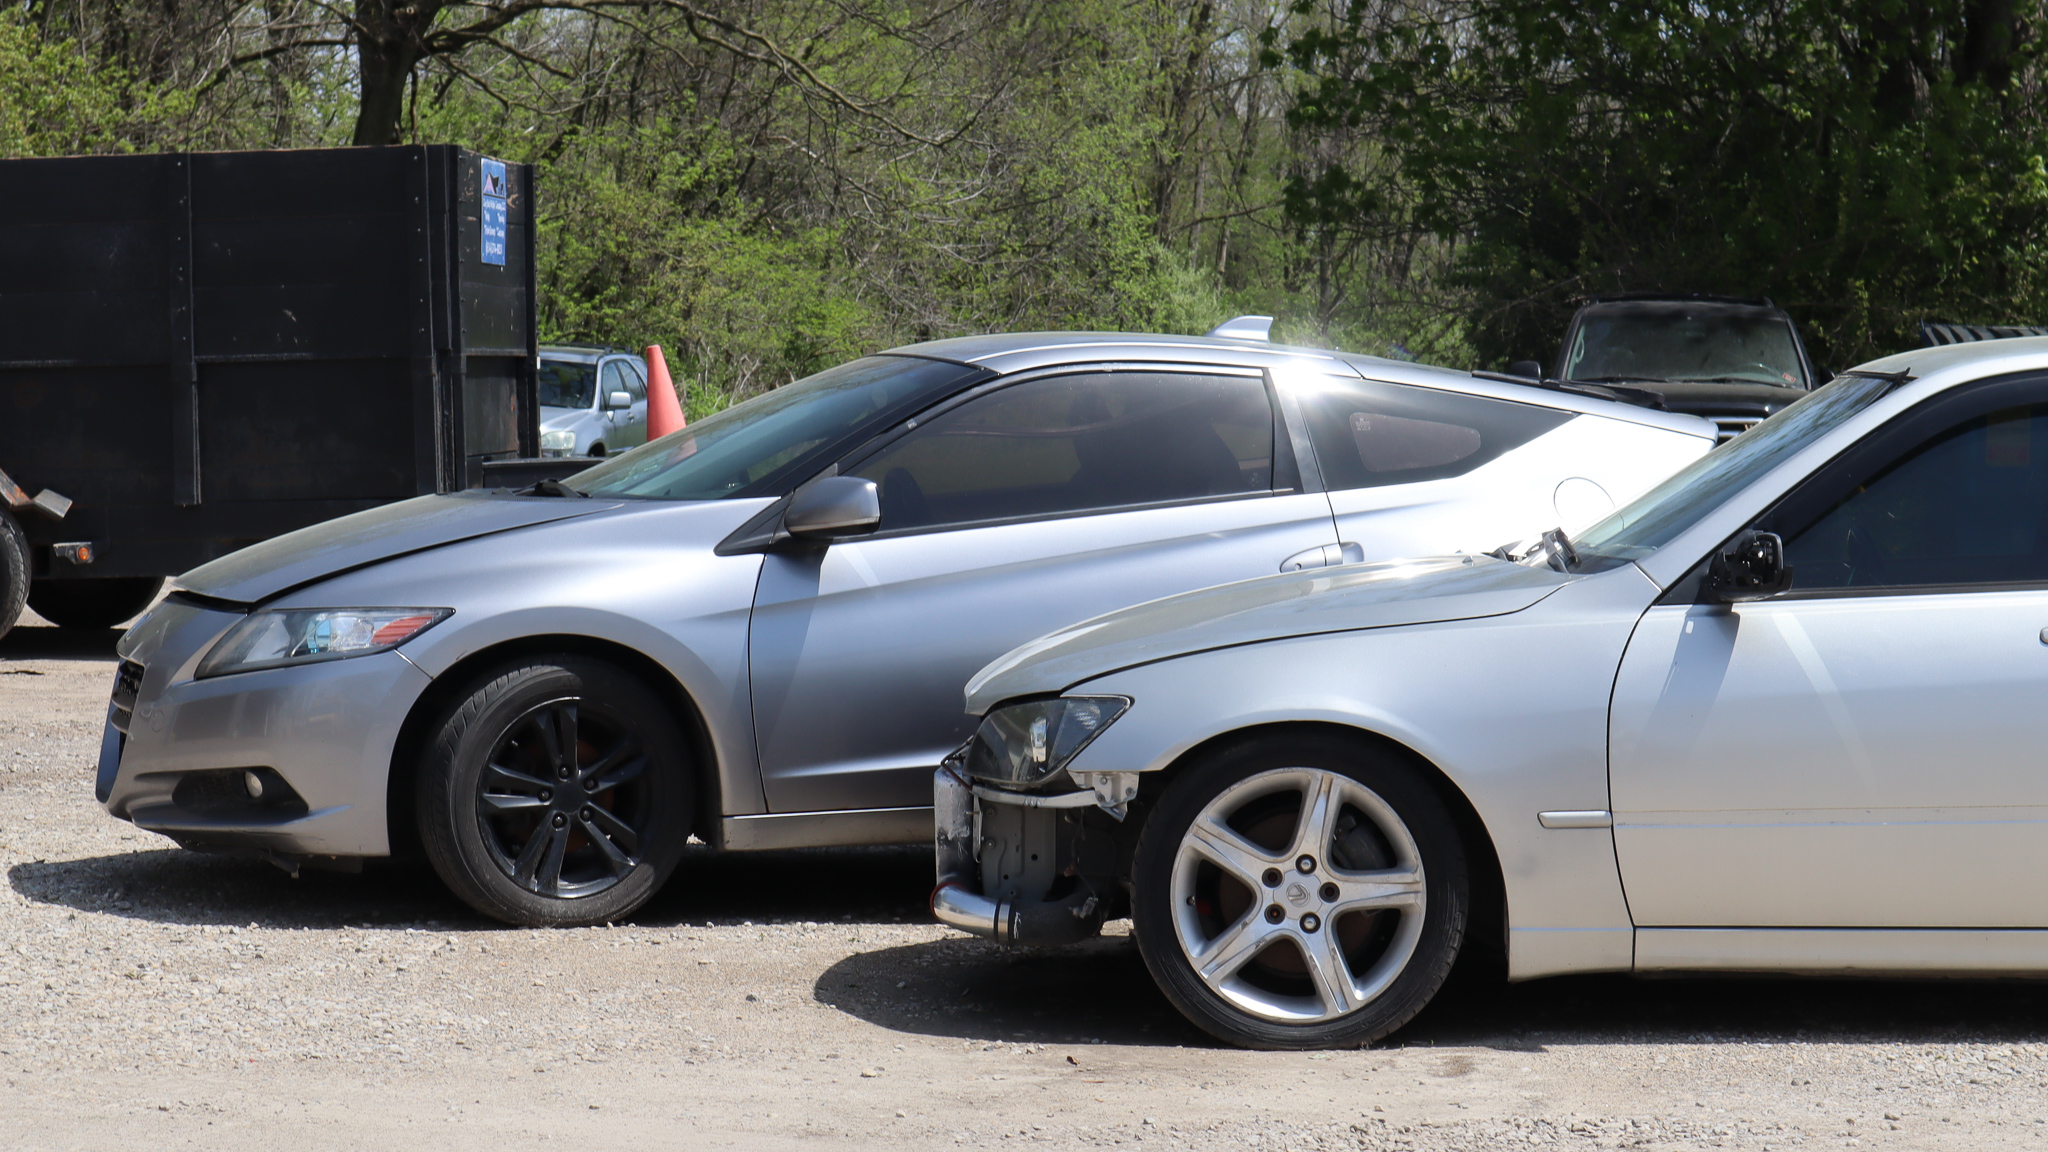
(664, 410)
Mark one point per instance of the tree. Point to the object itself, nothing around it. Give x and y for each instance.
(1866, 163)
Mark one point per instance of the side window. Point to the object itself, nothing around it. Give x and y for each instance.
(1368, 433)
(1966, 506)
(1076, 443)
(636, 382)
(614, 378)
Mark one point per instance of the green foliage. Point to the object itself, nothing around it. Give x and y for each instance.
(1865, 163)
(57, 100)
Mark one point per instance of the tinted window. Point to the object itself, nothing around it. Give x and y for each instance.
(1719, 346)
(614, 379)
(567, 384)
(635, 382)
(765, 445)
(1367, 433)
(1969, 506)
(1076, 443)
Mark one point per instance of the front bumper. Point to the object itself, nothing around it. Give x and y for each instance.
(176, 750)
(1023, 869)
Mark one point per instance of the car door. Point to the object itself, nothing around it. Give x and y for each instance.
(1026, 507)
(625, 427)
(1869, 749)
(635, 424)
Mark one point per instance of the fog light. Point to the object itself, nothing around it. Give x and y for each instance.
(253, 783)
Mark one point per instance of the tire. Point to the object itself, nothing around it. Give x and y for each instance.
(510, 827)
(596, 451)
(93, 603)
(1245, 895)
(13, 571)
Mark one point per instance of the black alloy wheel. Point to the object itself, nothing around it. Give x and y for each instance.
(556, 794)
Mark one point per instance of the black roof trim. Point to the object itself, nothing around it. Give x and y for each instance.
(1677, 298)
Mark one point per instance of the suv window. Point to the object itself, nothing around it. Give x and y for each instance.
(629, 375)
(1079, 443)
(614, 379)
(1966, 506)
(1369, 433)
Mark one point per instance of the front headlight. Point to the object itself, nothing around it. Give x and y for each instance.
(302, 636)
(1022, 743)
(558, 443)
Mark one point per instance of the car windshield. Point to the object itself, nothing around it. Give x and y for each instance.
(1653, 519)
(1727, 347)
(754, 447)
(567, 383)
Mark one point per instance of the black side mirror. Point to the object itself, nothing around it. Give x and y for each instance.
(1527, 369)
(1752, 567)
(832, 506)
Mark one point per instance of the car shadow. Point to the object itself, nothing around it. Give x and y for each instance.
(44, 642)
(1101, 992)
(864, 885)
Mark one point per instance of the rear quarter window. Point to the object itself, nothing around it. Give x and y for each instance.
(1368, 433)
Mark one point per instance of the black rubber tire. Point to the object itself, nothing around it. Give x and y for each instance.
(93, 603)
(452, 832)
(13, 571)
(1446, 890)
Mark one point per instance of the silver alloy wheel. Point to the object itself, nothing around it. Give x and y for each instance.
(1299, 898)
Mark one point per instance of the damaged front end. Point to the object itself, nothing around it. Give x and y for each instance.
(1028, 853)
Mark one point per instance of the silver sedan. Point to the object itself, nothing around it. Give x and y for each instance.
(1784, 713)
(754, 630)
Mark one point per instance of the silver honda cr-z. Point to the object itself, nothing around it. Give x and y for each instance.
(755, 630)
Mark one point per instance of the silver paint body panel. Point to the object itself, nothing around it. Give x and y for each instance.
(1537, 743)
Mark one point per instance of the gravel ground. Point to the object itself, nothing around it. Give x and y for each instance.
(149, 994)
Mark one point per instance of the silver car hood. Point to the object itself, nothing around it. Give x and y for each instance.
(1357, 596)
(263, 570)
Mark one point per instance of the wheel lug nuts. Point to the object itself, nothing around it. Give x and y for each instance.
(1305, 864)
(1311, 922)
(561, 773)
(1274, 915)
(1329, 893)
(560, 819)
(585, 813)
(547, 794)
(1272, 877)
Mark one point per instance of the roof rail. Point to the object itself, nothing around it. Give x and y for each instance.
(1934, 335)
(1244, 328)
(1678, 297)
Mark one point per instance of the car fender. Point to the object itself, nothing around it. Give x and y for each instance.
(1512, 709)
(644, 578)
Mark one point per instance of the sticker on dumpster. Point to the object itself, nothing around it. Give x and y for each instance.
(494, 190)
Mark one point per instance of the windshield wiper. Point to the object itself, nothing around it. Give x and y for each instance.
(554, 487)
(1738, 380)
(1619, 379)
(1556, 547)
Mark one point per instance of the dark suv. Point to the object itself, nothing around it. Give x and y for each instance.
(1731, 360)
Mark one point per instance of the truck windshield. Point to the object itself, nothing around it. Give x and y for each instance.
(1656, 517)
(567, 384)
(755, 448)
(1726, 347)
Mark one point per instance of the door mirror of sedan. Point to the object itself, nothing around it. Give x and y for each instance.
(618, 400)
(833, 506)
(1752, 567)
(1526, 369)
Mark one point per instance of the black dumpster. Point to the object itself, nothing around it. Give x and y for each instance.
(205, 350)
